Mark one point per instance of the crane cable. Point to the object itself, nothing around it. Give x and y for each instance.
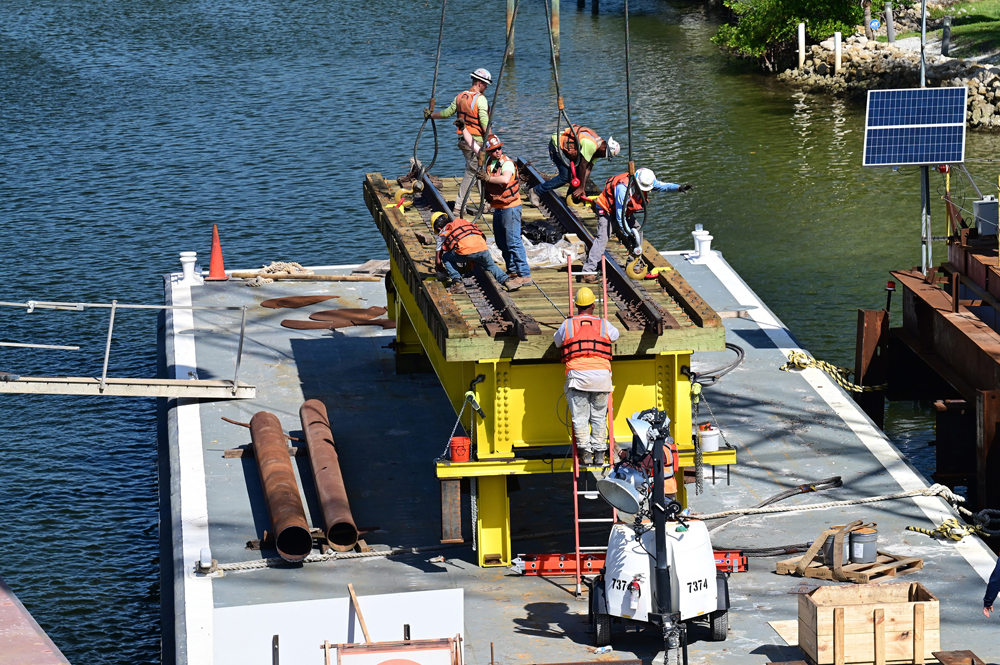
(491, 113)
(561, 112)
(632, 184)
(419, 168)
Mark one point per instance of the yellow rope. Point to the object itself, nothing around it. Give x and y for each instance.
(802, 360)
(951, 529)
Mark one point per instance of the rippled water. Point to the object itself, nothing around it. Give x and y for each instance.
(128, 128)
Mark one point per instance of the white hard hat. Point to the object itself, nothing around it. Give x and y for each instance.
(645, 178)
(613, 148)
(483, 75)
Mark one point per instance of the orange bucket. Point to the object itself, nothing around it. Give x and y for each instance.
(459, 448)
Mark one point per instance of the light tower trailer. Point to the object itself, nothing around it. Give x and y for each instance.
(661, 573)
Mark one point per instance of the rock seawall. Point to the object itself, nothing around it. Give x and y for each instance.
(870, 65)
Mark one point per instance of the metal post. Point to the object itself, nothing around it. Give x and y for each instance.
(946, 36)
(923, 44)
(239, 350)
(836, 52)
(925, 219)
(890, 27)
(107, 347)
(510, 31)
(802, 45)
(555, 27)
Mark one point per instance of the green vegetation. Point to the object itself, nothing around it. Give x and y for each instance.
(975, 28)
(767, 29)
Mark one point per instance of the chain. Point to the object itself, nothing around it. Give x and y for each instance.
(473, 491)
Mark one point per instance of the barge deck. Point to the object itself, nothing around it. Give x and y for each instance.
(788, 428)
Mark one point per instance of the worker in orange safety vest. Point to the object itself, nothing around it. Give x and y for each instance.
(586, 345)
(461, 241)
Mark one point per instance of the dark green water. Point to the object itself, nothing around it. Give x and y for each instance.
(128, 128)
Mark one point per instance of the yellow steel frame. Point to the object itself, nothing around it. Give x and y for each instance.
(525, 408)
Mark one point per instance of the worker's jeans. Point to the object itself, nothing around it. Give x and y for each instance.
(507, 231)
(561, 178)
(589, 412)
(483, 258)
(468, 178)
(600, 242)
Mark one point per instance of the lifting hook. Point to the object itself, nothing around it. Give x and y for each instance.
(636, 268)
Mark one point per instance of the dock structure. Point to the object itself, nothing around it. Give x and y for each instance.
(507, 338)
(22, 640)
(789, 428)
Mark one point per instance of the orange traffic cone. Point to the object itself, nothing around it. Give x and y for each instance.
(216, 269)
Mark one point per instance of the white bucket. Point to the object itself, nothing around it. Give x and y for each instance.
(709, 439)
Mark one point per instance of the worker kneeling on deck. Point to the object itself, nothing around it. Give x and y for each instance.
(574, 164)
(585, 341)
(461, 241)
(503, 194)
(616, 203)
(473, 114)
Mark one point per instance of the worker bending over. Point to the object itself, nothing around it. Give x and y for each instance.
(461, 241)
(585, 341)
(613, 203)
(473, 114)
(575, 162)
(503, 194)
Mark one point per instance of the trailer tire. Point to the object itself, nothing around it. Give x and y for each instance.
(602, 629)
(719, 623)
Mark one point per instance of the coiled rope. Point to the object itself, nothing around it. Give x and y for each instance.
(419, 168)
(952, 529)
(801, 360)
(933, 490)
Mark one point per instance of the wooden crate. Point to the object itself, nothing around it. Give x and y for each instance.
(882, 623)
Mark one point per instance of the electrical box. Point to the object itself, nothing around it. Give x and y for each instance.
(987, 214)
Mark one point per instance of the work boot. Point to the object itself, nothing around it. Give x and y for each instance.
(512, 284)
(526, 280)
(534, 199)
(600, 457)
(587, 458)
(589, 279)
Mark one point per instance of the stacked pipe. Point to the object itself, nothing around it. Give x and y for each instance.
(338, 523)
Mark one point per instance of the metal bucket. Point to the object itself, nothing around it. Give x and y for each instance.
(828, 551)
(864, 546)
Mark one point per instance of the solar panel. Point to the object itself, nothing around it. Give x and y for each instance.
(915, 126)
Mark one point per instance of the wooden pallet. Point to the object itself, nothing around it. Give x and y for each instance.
(885, 565)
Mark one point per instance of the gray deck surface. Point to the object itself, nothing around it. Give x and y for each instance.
(389, 428)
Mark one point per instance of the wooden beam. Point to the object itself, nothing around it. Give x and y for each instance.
(79, 385)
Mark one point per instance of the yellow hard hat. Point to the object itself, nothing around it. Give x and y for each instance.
(434, 220)
(584, 297)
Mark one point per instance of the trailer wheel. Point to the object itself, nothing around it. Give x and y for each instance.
(602, 629)
(719, 623)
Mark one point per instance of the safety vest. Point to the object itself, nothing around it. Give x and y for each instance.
(502, 196)
(464, 237)
(671, 464)
(606, 199)
(587, 345)
(468, 111)
(567, 142)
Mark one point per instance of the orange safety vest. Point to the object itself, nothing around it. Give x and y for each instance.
(567, 142)
(586, 346)
(464, 237)
(502, 196)
(467, 111)
(606, 199)
(671, 464)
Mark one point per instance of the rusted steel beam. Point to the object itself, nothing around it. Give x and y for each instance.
(499, 302)
(22, 640)
(281, 492)
(870, 361)
(617, 279)
(338, 522)
(987, 448)
(451, 511)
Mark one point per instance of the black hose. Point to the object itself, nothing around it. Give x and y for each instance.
(710, 377)
(417, 166)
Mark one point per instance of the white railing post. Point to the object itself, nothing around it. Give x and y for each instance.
(836, 52)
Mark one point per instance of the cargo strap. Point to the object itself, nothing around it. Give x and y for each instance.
(802, 360)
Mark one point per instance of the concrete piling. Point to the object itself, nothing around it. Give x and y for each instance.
(836, 52)
(946, 36)
(802, 45)
(890, 27)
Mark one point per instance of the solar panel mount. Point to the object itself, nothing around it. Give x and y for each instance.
(915, 126)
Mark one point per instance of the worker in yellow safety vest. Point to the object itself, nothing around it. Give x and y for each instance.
(574, 163)
(586, 345)
(473, 114)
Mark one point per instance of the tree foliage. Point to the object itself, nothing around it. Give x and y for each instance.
(767, 29)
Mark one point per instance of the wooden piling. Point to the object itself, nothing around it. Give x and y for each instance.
(595, 6)
(510, 29)
(555, 27)
(580, 4)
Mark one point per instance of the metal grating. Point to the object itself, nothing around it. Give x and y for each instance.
(915, 126)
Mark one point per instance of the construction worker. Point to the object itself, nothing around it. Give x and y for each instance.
(473, 114)
(612, 204)
(992, 588)
(571, 161)
(461, 241)
(585, 342)
(503, 194)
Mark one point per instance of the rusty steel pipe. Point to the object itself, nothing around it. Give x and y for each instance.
(281, 492)
(341, 531)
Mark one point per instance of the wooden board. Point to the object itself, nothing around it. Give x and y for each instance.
(885, 565)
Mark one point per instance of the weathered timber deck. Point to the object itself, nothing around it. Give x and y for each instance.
(457, 325)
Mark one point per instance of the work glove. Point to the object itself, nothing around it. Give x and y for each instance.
(684, 188)
(460, 124)
(427, 113)
(481, 175)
